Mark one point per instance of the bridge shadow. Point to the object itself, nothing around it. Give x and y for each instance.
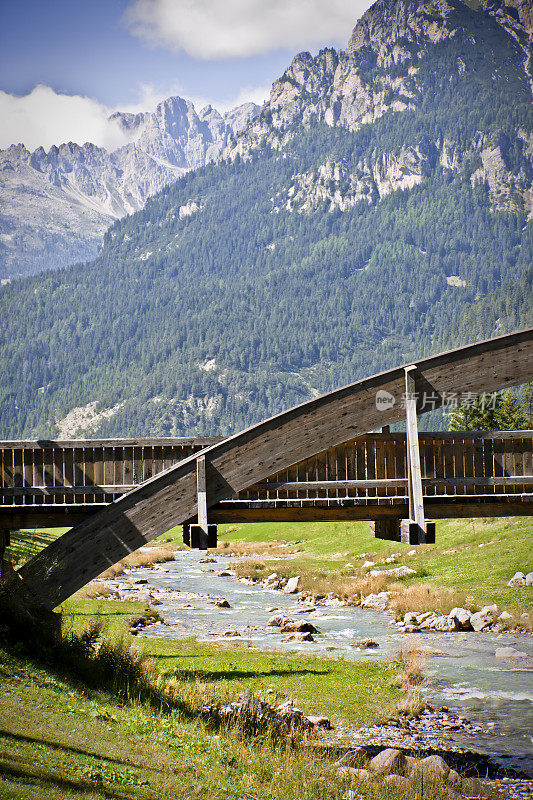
(58, 746)
(38, 778)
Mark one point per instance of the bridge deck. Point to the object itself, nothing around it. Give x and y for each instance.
(463, 474)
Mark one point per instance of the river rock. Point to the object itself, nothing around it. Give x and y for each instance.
(444, 623)
(222, 604)
(509, 652)
(480, 621)
(232, 633)
(376, 602)
(433, 767)
(291, 587)
(299, 627)
(388, 761)
(518, 579)
(279, 621)
(299, 637)
(352, 758)
(462, 617)
(365, 644)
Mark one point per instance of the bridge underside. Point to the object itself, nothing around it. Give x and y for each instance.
(257, 474)
(293, 511)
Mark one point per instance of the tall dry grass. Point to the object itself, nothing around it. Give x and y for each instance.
(156, 555)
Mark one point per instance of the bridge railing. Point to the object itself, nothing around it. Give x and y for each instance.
(373, 468)
(368, 469)
(89, 471)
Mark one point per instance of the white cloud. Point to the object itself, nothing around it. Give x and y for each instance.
(44, 117)
(214, 29)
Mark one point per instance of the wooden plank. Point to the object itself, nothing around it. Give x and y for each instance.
(27, 465)
(380, 465)
(468, 462)
(488, 458)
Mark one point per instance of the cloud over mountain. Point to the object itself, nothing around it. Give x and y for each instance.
(210, 29)
(45, 117)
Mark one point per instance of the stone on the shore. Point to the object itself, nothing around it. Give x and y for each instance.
(461, 616)
(321, 722)
(529, 579)
(479, 621)
(453, 777)
(352, 772)
(291, 587)
(398, 781)
(445, 624)
(518, 579)
(504, 616)
(433, 767)
(411, 618)
(222, 604)
(389, 760)
(376, 602)
(352, 758)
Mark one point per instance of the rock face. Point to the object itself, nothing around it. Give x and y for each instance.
(56, 206)
(380, 73)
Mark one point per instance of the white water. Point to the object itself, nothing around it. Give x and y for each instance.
(469, 679)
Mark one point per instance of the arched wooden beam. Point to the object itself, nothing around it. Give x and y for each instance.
(170, 498)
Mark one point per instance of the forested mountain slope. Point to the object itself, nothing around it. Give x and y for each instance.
(320, 254)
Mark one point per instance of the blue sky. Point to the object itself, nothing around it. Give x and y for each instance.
(132, 53)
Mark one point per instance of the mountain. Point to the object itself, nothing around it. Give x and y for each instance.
(378, 206)
(56, 206)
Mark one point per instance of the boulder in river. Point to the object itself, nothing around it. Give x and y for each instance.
(299, 627)
(279, 621)
(222, 603)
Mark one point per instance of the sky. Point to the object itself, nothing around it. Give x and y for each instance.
(66, 65)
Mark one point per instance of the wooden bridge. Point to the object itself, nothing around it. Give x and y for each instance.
(316, 461)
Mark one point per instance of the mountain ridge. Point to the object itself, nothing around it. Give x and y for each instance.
(57, 205)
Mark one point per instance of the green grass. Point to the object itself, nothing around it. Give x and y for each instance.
(344, 690)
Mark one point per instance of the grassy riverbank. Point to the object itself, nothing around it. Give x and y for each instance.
(471, 562)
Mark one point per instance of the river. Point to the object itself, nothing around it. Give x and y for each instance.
(495, 693)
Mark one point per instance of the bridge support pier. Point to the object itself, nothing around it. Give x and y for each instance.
(201, 539)
(388, 529)
(413, 533)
